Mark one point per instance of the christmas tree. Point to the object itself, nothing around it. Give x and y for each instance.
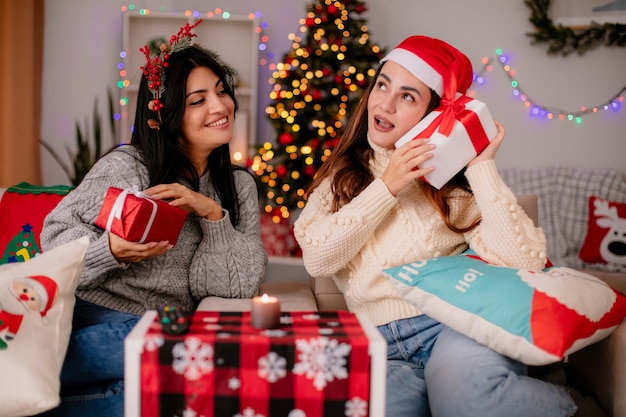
(315, 88)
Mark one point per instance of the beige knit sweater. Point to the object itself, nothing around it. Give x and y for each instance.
(377, 230)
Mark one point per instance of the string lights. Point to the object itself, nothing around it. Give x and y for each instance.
(312, 88)
(125, 83)
(536, 109)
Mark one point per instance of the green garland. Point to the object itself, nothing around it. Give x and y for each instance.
(564, 40)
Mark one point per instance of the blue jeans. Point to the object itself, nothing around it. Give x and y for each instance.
(92, 377)
(434, 371)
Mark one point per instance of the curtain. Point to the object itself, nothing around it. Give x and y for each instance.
(21, 31)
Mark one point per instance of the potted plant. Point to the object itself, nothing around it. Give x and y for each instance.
(88, 146)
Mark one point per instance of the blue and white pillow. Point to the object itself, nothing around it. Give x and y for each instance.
(536, 317)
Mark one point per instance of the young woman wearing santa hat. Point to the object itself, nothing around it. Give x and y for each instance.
(368, 210)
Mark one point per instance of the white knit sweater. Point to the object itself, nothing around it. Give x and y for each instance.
(377, 230)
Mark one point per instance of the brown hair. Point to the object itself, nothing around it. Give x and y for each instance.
(348, 165)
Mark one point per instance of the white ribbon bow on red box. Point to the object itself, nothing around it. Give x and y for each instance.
(118, 206)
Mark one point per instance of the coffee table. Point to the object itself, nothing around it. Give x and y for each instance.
(312, 364)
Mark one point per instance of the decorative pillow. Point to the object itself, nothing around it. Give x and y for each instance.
(23, 208)
(535, 317)
(605, 241)
(36, 308)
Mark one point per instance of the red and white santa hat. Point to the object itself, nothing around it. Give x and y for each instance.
(436, 63)
(45, 288)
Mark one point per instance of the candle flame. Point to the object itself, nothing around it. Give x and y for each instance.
(265, 298)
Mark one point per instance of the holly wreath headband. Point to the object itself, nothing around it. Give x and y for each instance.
(154, 70)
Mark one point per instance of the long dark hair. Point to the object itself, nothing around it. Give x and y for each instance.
(163, 154)
(348, 165)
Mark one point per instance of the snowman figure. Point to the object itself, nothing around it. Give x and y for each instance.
(24, 295)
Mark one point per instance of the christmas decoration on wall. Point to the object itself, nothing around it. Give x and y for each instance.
(315, 87)
(564, 40)
(535, 108)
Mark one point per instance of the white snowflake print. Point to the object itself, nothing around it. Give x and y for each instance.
(296, 412)
(209, 319)
(212, 327)
(234, 383)
(249, 412)
(153, 342)
(272, 367)
(321, 359)
(285, 320)
(325, 331)
(311, 316)
(356, 407)
(190, 412)
(192, 358)
(275, 333)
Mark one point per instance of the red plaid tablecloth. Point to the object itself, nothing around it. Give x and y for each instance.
(315, 364)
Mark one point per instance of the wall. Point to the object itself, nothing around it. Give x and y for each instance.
(83, 41)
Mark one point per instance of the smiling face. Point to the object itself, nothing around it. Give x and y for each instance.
(209, 114)
(398, 101)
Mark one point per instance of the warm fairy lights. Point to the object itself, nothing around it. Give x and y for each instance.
(312, 92)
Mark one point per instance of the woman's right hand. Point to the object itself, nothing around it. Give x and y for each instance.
(125, 251)
(403, 166)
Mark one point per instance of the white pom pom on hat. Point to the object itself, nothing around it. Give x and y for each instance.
(436, 63)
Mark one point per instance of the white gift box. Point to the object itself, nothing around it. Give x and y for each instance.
(471, 132)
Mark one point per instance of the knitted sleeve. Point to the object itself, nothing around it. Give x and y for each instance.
(76, 213)
(506, 235)
(230, 262)
(329, 241)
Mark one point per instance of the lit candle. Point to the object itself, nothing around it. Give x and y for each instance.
(265, 312)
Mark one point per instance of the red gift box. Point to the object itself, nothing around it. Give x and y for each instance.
(461, 129)
(136, 217)
(278, 238)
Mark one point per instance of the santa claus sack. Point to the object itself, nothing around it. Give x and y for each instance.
(134, 216)
(461, 130)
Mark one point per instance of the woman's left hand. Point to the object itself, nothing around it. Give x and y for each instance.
(490, 151)
(180, 196)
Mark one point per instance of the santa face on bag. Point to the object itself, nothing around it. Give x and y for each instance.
(25, 295)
